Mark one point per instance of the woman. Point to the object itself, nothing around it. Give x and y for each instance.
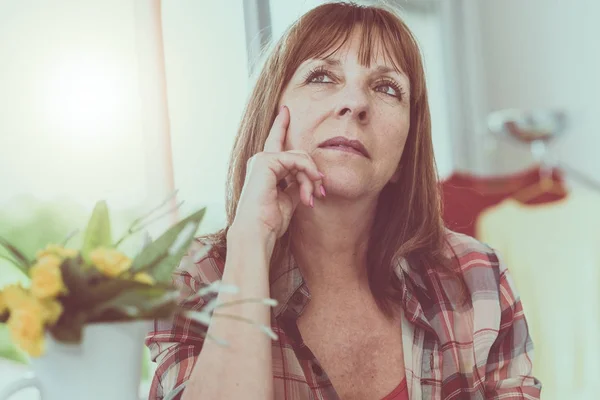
(334, 211)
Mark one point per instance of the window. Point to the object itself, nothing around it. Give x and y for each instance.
(70, 123)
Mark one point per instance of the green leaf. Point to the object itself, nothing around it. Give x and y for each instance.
(20, 260)
(139, 298)
(161, 257)
(106, 290)
(13, 263)
(136, 303)
(69, 327)
(97, 233)
(75, 278)
(9, 350)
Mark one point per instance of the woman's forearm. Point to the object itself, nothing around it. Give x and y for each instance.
(243, 369)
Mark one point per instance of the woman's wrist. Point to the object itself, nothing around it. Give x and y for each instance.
(244, 236)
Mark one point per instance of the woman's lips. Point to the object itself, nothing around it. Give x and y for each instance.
(346, 149)
(342, 143)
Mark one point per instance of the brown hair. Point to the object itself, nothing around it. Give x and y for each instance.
(408, 220)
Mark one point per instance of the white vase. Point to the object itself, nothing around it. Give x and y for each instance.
(105, 365)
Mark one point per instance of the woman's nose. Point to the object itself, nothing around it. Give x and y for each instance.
(354, 104)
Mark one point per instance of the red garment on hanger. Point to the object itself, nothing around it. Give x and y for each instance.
(465, 196)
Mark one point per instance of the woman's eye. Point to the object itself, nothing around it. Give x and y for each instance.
(395, 90)
(325, 77)
(318, 77)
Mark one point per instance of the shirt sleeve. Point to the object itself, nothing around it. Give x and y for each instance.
(176, 343)
(510, 361)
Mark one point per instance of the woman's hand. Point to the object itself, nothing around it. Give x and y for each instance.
(276, 182)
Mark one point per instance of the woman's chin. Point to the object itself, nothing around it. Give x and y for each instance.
(346, 184)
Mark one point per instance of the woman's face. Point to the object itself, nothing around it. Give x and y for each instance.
(342, 99)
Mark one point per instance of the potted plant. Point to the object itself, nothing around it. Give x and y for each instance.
(84, 315)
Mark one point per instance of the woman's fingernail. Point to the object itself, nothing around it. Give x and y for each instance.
(312, 201)
(323, 191)
(281, 109)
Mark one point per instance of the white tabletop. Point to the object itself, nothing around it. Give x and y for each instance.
(10, 371)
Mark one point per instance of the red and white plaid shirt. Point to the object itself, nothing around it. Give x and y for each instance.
(452, 350)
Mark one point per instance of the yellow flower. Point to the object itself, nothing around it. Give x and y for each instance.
(27, 322)
(51, 311)
(14, 295)
(56, 250)
(3, 306)
(26, 327)
(110, 262)
(143, 277)
(46, 277)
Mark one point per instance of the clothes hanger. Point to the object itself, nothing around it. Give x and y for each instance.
(546, 185)
(538, 128)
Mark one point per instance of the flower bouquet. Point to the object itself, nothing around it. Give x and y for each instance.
(85, 313)
(71, 288)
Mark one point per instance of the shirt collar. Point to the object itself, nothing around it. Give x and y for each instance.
(288, 288)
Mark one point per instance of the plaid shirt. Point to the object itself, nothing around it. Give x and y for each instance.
(479, 349)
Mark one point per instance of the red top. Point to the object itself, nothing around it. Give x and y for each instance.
(400, 393)
(466, 196)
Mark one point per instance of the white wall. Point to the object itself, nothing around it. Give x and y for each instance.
(538, 54)
(207, 75)
(427, 28)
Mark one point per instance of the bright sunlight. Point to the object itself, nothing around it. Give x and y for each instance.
(85, 96)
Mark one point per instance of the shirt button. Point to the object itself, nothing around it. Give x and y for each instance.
(317, 370)
(428, 363)
(297, 297)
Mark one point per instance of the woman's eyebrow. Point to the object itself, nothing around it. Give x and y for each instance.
(332, 62)
(379, 69)
(383, 69)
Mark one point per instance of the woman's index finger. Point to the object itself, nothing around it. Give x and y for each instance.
(276, 140)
